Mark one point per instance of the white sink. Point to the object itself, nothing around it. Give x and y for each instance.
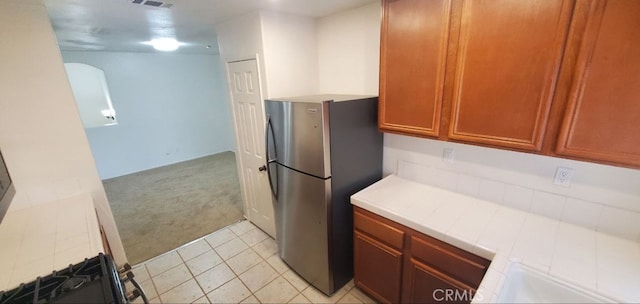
(526, 285)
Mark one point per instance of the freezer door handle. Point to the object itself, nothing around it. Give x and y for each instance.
(269, 131)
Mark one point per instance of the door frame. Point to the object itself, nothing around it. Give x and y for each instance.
(240, 165)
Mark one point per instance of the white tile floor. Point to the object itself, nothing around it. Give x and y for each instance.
(237, 264)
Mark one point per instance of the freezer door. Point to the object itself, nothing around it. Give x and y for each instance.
(298, 136)
(301, 226)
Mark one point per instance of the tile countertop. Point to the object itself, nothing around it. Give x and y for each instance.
(38, 240)
(592, 260)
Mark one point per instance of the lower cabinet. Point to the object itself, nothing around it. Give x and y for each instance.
(395, 264)
(378, 268)
(427, 285)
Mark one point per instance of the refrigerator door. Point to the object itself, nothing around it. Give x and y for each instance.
(301, 214)
(298, 136)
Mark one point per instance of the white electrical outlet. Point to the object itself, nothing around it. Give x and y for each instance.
(448, 155)
(563, 177)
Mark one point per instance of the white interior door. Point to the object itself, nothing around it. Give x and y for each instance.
(249, 120)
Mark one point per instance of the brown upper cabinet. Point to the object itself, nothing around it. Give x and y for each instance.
(508, 58)
(602, 118)
(554, 77)
(499, 58)
(413, 52)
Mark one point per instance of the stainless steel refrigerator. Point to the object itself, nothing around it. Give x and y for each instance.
(320, 150)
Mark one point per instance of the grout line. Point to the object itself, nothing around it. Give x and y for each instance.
(153, 284)
(192, 278)
(174, 287)
(301, 294)
(224, 261)
(236, 275)
(189, 243)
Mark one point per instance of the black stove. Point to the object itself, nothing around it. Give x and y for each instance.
(95, 280)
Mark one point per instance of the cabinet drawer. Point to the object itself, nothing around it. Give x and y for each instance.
(378, 227)
(427, 285)
(454, 261)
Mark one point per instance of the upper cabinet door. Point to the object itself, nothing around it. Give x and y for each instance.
(412, 65)
(508, 57)
(602, 120)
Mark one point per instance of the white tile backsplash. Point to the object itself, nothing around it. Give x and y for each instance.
(548, 204)
(474, 181)
(446, 179)
(417, 172)
(581, 213)
(518, 197)
(469, 185)
(491, 190)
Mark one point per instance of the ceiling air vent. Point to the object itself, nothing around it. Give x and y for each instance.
(152, 3)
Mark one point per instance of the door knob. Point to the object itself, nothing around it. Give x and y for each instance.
(263, 168)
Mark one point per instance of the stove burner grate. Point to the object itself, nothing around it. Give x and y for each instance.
(94, 280)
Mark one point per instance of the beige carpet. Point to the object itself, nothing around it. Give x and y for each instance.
(161, 209)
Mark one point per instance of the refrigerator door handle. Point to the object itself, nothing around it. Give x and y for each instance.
(269, 131)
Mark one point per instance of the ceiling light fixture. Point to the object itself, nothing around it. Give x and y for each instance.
(164, 44)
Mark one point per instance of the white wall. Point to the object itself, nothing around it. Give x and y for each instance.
(41, 135)
(170, 108)
(284, 44)
(349, 51)
(290, 54)
(601, 197)
(240, 38)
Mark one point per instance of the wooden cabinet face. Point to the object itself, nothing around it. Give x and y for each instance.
(426, 285)
(396, 264)
(412, 65)
(377, 268)
(602, 120)
(508, 57)
(450, 260)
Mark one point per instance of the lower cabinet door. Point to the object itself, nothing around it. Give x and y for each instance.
(377, 269)
(426, 285)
